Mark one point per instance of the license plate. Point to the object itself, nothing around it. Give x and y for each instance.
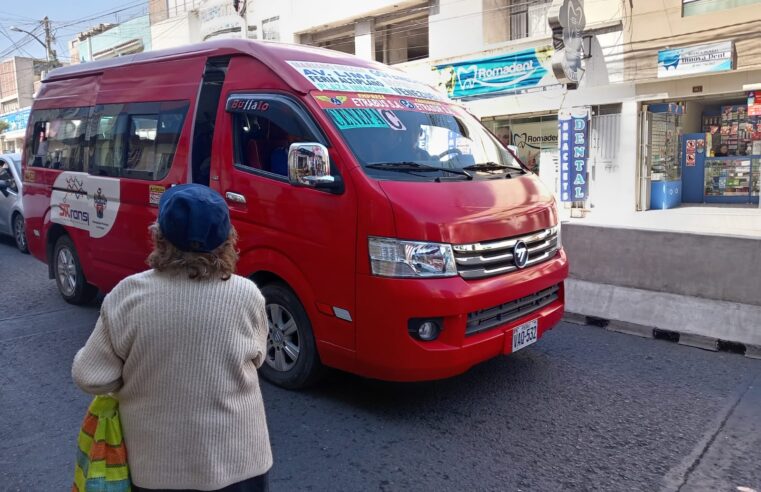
(525, 334)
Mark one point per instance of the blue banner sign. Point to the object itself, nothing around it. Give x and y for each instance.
(574, 151)
(691, 60)
(514, 72)
(16, 120)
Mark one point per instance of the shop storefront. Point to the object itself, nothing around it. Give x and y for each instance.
(700, 148)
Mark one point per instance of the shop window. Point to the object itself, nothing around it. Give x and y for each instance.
(59, 138)
(528, 136)
(698, 7)
(136, 140)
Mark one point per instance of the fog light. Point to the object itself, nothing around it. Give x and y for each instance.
(425, 329)
(428, 331)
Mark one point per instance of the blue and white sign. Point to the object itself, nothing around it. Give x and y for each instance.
(519, 71)
(574, 151)
(16, 120)
(690, 60)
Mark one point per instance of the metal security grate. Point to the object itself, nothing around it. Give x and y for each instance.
(487, 319)
(491, 258)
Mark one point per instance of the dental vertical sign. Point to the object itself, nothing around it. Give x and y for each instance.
(574, 152)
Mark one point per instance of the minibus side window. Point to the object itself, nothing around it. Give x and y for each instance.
(59, 139)
(136, 140)
(262, 136)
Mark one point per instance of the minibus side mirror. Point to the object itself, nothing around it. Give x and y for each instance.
(309, 166)
(4, 188)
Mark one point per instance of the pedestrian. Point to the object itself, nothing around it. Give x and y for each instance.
(179, 346)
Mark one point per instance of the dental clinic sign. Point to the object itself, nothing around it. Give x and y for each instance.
(690, 60)
(516, 72)
(574, 150)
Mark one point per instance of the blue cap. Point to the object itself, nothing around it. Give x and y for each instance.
(194, 218)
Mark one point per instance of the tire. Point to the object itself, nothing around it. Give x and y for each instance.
(69, 276)
(289, 327)
(19, 233)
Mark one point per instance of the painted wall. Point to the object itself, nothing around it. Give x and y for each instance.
(176, 31)
(657, 24)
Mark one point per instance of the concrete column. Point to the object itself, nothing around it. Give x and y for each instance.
(397, 48)
(364, 39)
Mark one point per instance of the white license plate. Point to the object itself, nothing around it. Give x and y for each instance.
(525, 334)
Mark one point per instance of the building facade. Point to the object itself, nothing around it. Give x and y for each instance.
(17, 81)
(112, 40)
(655, 72)
(697, 73)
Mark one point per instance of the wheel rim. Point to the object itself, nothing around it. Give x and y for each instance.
(67, 272)
(18, 228)
(283, 341)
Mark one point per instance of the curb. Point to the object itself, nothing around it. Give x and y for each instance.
(682, 338)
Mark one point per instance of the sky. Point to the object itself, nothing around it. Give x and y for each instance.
(67, 17)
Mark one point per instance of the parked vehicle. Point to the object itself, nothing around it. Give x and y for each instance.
(11, 207)
(392, 235)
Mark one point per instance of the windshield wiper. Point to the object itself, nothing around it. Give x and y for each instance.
(490, 166)
(406, 166)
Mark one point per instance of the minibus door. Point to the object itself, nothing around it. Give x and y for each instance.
(303, 233)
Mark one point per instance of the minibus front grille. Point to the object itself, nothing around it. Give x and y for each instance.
(487, 319)
(487, 259)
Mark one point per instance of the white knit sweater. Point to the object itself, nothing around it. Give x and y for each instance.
(181, 357)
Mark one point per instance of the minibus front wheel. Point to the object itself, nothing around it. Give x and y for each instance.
(291, 360)
(69, 276)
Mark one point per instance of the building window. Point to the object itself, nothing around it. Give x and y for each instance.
(507, 20)
(697, 7)
(179, 7)
(528, 18)
(271, 29)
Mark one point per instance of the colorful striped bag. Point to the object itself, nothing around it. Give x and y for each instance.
(101, 454)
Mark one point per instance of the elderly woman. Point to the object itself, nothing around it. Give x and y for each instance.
(179, 346)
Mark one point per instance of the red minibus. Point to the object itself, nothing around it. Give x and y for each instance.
(392, 235)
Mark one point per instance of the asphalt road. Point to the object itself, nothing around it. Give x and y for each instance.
(583, 409)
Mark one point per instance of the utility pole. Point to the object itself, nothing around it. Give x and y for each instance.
(49, 50)
(50, 54)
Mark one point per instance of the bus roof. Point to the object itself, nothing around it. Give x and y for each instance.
(273, 54)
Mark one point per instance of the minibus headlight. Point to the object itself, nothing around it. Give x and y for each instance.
(559, 228)
(395, 258)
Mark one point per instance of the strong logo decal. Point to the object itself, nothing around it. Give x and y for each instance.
(85, 202)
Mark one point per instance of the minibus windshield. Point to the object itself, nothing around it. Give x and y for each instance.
(413, 139)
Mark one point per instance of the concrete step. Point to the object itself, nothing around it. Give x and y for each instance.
(689, 320)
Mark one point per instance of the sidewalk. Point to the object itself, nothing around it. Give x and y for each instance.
(692, 271)
(723, 220)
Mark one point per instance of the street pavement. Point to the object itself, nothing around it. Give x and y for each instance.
(583, 409)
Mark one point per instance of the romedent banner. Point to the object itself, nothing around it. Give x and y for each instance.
(519, 71)
(690, 60)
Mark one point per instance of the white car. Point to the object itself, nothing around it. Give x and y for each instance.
(11, 209)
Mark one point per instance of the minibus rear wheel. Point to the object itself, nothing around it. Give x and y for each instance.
(291, 358)
(69, 276)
